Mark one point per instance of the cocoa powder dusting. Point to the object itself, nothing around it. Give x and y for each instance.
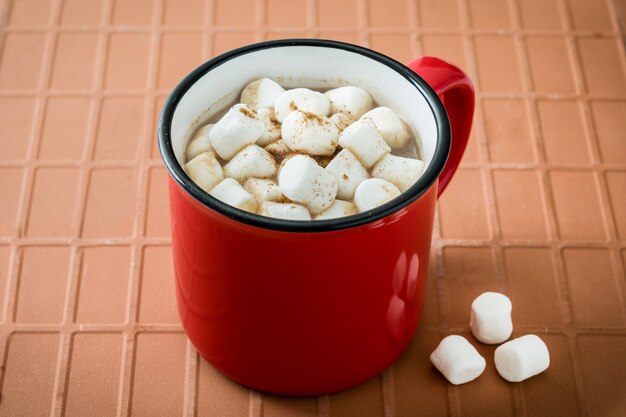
(247, 113)
(309, 117)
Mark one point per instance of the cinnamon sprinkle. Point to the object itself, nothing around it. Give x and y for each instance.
(308, 116)
(248, 113)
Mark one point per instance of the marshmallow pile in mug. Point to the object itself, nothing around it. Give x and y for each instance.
(301, 154)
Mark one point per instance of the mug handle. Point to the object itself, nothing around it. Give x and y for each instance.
(456, 92)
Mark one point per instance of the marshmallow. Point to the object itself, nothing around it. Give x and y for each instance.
(252, 161)
(231, 192)
(301, 99)
(522, 358)
(287, 211)
(401, 172)
(238, 128)
(261, 93)
(205, 170)
(301, 180)
(341, 120)
(365, 142)
(339, 208)
(199, 143)
(310, 133)
(348, 172)
(491, 318)
(391, 127)
(353, 101)
(458, 360)
(279, 149)
(263, 190)
(373, 193)
(270, 128)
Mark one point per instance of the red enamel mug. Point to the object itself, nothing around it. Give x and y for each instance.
(309, 307)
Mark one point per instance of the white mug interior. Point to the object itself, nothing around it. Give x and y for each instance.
(319, 67)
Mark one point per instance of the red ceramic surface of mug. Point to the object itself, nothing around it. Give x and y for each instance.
(308, 308)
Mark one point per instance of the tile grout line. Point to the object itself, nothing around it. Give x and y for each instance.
(616, 8)
(28, 185)
(387, 388)
(414, 26)
(255, 403)
(260, 20)
(141, 184)
(311, 18)
(191, 379)
(323, 405)
(363, 30)
(619, 269)
(73, 292)
(71, 289)
(289, 29)
(178, 329)
(14, 254)
(519, 400)
(567, 302)
(453, 395)
(208, 19)
(613, 7)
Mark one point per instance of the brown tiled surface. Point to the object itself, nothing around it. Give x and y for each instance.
(537, 210)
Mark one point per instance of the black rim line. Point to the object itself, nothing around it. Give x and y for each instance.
(411, 194)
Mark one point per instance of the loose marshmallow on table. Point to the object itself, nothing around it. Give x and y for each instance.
(279, 149)
(458, 360)
(301, 99)
(491, 318)
(270, 128)
(199, 143)
(522, 358)
(301, 180)
(205, 170)
(365, 142)
(263, 190)
(287, 211)
(341, 120)
(391, 127)
(373, 193)
(310, 133)
(353, 101)
(238, 128)
(348, 172)
(261, 93)
(339, 208)
(251, 161)
(231, 192)
(401, 172)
